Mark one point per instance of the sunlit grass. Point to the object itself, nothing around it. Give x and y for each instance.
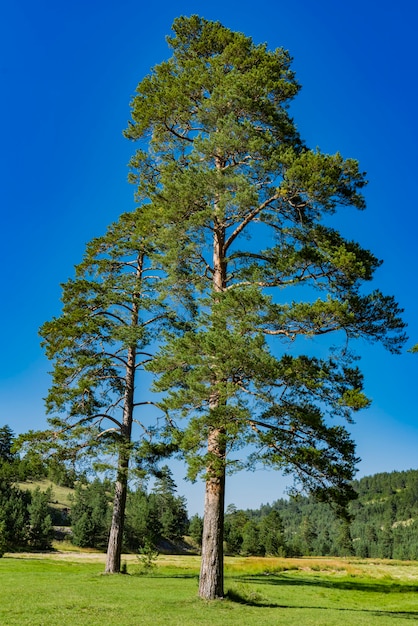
(68, 588)
(61, 496)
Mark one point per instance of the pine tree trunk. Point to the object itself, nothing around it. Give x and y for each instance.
(114, 546)
(211, 582)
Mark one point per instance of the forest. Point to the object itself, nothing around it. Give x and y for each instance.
(384, 516)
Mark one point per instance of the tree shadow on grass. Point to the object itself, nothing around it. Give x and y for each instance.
(385, 586)
(159, 576)
(255, 599)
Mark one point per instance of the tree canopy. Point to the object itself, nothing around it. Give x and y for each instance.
(111, 312)
(240, 207)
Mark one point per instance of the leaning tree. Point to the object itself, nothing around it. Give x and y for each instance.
(111, 313)
(240, 205)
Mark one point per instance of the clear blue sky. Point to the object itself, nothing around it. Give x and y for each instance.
(68, 72)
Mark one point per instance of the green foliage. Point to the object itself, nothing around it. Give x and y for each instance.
(235, 521)
(14, 515)
(250, 539)
(62, 475)
(111, 314)
(3, 540)
(272, 534)
(169, 509)
(141, 522)
(98, 345)
(232, 229)
(13, 467)
(148, 555)
(156, 516)
(220, 169)
(196, 529)
(308, 535)
(249, 534)
(90, 515)
(384, 521)
(41, 531)
(6, 444)
(25, 518)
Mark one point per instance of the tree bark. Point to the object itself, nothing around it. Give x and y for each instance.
(114, 546)
(211, 581)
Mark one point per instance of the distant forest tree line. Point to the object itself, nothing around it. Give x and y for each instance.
(31, 519)
(384, 516)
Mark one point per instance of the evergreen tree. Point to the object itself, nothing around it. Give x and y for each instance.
(240, 204)
(6, 443)
(41, 529)
(90, 515)
(171, 509)
(251, 545)
(345, 543)
(235, 521)
(14, 515)
(308, 536)
(272, 534)
(142, 524)
(9, 460)
(386, 541)
(3, 541)
(98, 345)
(196, 528)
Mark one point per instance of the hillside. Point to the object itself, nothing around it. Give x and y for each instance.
(385, 520)
(62, 497)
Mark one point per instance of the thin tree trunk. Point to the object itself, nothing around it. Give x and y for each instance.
(114, 546)
(211, 581)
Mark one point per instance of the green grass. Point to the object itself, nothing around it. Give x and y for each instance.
(61, 496)
(69, 589)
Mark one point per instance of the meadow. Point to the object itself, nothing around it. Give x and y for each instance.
(69, 588)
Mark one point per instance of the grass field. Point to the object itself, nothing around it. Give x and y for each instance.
(69, 588)
(62, 496)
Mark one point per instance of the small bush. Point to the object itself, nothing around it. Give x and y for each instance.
(147, 557)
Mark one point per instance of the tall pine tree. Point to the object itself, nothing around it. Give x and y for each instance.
(98, 345)
(240, 204)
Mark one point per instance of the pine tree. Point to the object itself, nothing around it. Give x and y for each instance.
(98, 345)
(6, 443)
(172, 512)
(196, 528)
(272, 534)
(308, 536)
(235, 520)
(240, 206)
(251, 545)
(14, 515)
(3, 540)
(142, 523)
(41, 528)
(90, 515)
